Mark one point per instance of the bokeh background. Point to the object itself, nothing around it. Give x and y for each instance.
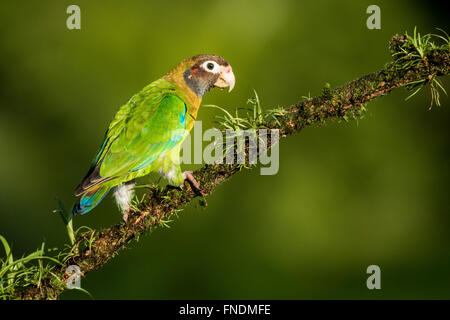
(346, 196)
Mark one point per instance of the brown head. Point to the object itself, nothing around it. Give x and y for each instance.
(203, 72)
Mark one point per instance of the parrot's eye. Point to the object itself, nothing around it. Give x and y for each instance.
(211, 66)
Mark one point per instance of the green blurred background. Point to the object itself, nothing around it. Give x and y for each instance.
(346, 196)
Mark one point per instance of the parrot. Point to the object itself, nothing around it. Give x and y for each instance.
(146, 133)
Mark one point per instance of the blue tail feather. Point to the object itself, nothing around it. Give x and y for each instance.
(89, 200)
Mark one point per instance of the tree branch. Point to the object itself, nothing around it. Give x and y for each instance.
(93, 250)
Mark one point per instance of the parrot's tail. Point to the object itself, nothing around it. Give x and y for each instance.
(89, 200)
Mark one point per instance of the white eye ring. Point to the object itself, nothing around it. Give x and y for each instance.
(211, 66)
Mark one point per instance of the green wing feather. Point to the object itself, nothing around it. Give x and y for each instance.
(151, 123)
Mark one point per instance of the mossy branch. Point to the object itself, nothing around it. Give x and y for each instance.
(417, 62)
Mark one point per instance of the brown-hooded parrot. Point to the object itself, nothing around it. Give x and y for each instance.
(146, 133)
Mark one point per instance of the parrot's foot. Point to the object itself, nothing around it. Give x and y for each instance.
(187, 175)
(126, 213)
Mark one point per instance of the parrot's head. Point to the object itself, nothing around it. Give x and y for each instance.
(204, 72)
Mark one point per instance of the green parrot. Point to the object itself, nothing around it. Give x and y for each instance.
(147, 132)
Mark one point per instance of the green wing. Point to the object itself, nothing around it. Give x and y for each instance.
(151, 123)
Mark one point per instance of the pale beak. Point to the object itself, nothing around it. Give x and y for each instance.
(226, 78)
